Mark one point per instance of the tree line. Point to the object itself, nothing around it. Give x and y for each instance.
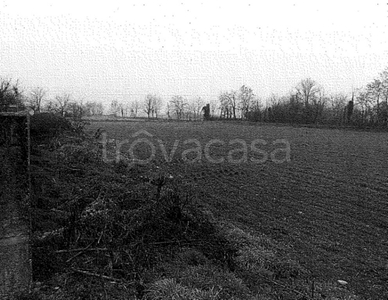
(306, 103)
(12, 96)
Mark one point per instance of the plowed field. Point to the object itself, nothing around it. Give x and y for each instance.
(329, 202)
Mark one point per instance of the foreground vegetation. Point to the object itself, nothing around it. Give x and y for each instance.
(118, 231)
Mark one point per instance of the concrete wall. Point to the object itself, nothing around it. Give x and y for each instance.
(15, 264)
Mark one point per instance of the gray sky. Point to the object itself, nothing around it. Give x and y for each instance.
(106, 50)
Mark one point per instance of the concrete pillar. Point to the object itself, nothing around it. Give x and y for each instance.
(15, 263)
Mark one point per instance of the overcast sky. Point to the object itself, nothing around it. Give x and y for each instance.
(106, 50)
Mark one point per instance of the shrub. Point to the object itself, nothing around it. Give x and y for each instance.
(45, 126)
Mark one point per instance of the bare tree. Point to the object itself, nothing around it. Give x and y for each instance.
(224, 105)
(364, 104)
(122, 109)
(198, 105)
(10, 94)
(318, 105)
(114, 108)
(213, 107)
(156, 106)
(75, 110)
(306, 90)
(134, 107)
(377, 91)
(228, 104)
(37, 96)
(254, 113)
(168, 110)
(149, 105)
(178, 105)
(246, 96)
(374, 91)
(127, 108)
(92, 108)
(195, 107)
(62, 103)
(337, 109)
(384, 94)
(5, 88)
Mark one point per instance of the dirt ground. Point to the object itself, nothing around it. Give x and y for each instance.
(328, 203)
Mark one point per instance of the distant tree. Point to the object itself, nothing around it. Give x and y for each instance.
(92, 108)
(307, 89)
(62, 103)
(134, 107)
(384, 95)
(75, 110)
(213, 107)
(99, 109)
(272, 102)
(246, 96)
(285, 109)
(156, 106)
(254, 113)
(120, 109)
(377, 93)
(374, 92)
(336, 111)
(364, 113)
(128, 109)
(10, 94)
(36, 98)
(168, 110)
(225, 107)
(318, 105)
(233, 102)
(194, 108)
(198, 104)
(149, 105)
(114, 108)
(178, 105)
(50, 106)
(228, 104)
(152, 105)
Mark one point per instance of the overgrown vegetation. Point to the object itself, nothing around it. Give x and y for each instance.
(110, 222)
(10, 94)
(116, 231)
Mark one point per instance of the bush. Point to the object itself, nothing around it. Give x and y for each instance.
(45, 126)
